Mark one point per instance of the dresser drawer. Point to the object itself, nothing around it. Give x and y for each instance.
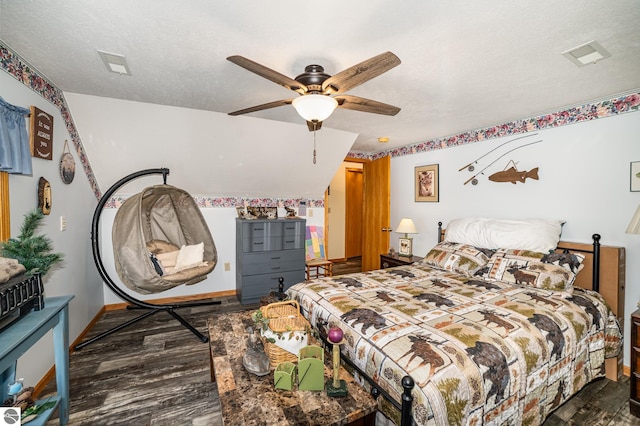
(634, 380)
(635, 327)
(635, 358)
(293, 242)
(262, 229)
(294, 228)
(273, 261)
(261, 244)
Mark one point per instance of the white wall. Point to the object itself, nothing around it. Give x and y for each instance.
(584, 179)
(76, 202)
(209, 153)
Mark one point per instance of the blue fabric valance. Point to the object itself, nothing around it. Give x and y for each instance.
(15, 152)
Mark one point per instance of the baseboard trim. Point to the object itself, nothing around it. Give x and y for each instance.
(39, 387)
(176, 299)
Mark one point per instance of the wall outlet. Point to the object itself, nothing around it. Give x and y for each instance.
(310, 213)
(63, 223)
(227, 266)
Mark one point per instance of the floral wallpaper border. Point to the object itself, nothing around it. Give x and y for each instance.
(602, 109)
(210, 202)
(14, 65)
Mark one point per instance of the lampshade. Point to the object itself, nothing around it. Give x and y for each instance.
(315, 107)
(406, 226)
(634, 225)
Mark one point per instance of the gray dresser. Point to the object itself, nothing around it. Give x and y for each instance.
(265, 251)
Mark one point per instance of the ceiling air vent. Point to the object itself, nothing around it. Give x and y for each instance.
(585, 54)
(115, 62)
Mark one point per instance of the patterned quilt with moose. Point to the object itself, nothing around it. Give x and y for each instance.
(480, 351)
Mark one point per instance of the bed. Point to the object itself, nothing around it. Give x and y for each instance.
(477, 332)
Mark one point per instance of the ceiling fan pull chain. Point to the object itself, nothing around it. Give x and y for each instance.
(314, 147)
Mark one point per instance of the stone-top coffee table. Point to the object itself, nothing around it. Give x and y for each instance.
(247, 399)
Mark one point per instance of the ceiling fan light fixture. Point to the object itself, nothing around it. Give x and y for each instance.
(315, 107)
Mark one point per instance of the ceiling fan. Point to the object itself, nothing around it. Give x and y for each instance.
(316, 88)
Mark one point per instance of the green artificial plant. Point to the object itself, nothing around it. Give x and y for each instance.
(32, 251)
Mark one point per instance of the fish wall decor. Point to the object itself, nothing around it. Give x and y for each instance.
(473, 179)
(513, 175)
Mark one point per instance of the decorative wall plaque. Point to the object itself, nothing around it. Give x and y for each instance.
(44, 196)
(67, 165)
(41, 136)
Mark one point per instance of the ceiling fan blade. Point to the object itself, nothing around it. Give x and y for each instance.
(273, 104)
(360, 73)
(268, 73)
(314, 125)
(357, 103)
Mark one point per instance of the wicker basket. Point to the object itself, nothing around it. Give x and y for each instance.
(284, 317)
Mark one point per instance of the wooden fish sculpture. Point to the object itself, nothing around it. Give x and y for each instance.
(514, 175)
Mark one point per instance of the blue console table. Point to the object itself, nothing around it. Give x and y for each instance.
(19, 337)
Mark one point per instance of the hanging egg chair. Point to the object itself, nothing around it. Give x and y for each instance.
(160, 241)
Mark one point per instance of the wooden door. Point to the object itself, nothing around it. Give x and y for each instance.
(376, 218)
(353, 213)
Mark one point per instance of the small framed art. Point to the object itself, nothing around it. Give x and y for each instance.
(405, 247)
(426, 183)
(635, 176)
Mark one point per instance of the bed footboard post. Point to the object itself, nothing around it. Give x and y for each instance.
(439, 232)
(407, 399)
(596, 262)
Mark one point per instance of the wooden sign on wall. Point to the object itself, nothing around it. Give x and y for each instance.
(41, 137)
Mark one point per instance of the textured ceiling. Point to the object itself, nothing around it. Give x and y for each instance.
(465, 64)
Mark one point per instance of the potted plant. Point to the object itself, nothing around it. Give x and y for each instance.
(31, 250)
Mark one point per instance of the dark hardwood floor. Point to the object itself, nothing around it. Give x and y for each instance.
(351, 265)
(156, 372)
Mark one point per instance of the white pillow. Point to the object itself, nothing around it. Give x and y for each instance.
(540, 235)
(190, 256)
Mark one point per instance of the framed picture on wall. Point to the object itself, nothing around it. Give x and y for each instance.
(635, 176)
(426, 183)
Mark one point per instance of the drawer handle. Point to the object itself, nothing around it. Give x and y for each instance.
(258, 229)
(275, 258)
(275, 268)
(289, 241)
(258, 243)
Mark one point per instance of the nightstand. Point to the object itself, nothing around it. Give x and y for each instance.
(389, 261)
(634, 399)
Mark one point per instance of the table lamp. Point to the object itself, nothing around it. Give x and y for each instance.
(406, 227)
